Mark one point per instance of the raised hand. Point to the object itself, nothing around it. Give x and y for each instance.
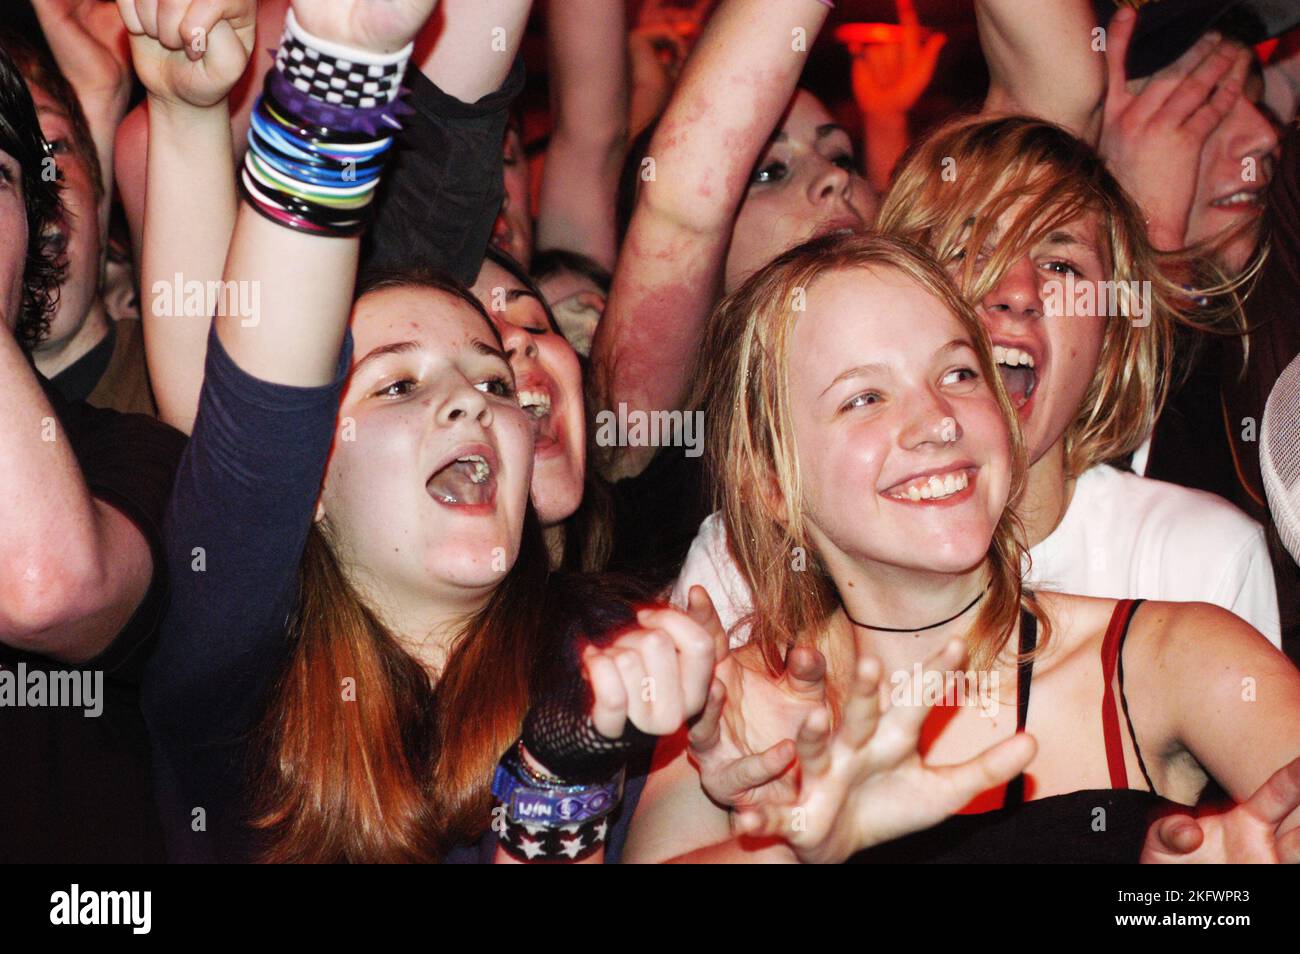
(865, 782)
(1152, 139)
(890, 77)
(378, 26)
(1248, 834)
(89, 44)
(190, 52)
(656, 676)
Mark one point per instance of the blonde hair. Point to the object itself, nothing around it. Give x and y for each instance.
(948, 196)
(752, 445)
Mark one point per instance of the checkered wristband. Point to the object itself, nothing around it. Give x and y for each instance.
(535, 844)
(336, 74)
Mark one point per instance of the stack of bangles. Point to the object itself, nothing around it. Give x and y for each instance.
(320, 133)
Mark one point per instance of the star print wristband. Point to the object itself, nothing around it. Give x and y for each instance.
(541, 818)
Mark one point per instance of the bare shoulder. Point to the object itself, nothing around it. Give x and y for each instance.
(1076, 624)
(1201, 637)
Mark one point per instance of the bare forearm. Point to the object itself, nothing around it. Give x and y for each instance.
(1042, 62)
(732, 93)
(186, 235)
(52, 560)
(476, 44)
(589, 107)
(885, 139)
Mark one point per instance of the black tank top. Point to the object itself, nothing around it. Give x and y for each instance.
(1101, 826)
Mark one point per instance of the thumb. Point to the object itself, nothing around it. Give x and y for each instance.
(700, 608)
(1174, 835)
(1118, 35)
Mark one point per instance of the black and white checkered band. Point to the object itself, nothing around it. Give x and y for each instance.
(325, 72)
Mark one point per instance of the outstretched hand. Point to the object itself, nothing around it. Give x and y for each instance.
(890, 77)
(865, 783)
(742, 744)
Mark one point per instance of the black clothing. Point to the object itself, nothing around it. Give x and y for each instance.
(76, 789)
(1095, 826)
(443, 184)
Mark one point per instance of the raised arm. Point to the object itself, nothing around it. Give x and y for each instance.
(732, 93)
(1043, 61)
(443, 186)
(188, 76)
(589, 117)
(131, 149)
(89, 45)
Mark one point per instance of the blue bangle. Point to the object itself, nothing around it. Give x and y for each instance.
(548, 803)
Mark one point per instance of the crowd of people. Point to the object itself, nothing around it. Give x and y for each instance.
(711, 483)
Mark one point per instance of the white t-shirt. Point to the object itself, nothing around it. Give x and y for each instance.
(1123, 536)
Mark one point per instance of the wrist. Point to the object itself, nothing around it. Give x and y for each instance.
(180, 121)
(360, 49)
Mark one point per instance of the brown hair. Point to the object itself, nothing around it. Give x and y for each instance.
(752, 445)
(361, 760)
(993, 163)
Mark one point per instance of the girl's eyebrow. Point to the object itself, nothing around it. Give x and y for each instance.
(396, 347)
(853, 372)
(827, 129)
(956, 344)
(482, 347)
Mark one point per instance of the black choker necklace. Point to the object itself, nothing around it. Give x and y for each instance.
(918, 629)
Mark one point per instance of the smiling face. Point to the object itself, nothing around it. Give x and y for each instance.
(550, 389)
(1047, 360)
(13, 244)
(1235, 170)
(78, 228)
(903, 453)
(427, 486)
(804, 185)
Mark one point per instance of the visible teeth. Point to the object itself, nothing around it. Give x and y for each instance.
(1013, 357)
(538, 402)
(481, 469)
(936, 487)
(1239, 198)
